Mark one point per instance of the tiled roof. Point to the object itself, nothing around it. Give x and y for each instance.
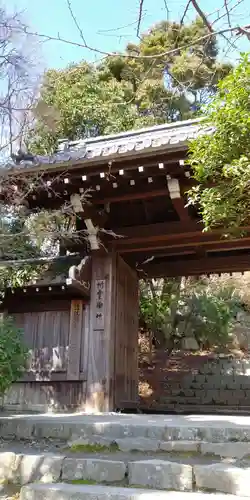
(157, 138)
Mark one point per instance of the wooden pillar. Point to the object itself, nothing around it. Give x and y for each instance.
(112, 336)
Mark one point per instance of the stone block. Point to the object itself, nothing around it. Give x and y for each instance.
(179, 446)
(160, 474)
(182, 433)
(48, 430)
(188, 393)
(212, 394)
(231, 450)
(214, 434)
(224, 478)
(137, 444)
(155, 432)
(231, 383)
(136, 430)
(31, 468)
(222, 396)
(196, 385)
(93, 469)
(245, 384)
(7, 461)
(187, 381)
(65, 491)
(200, 378)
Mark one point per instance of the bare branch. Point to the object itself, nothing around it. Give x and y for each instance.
(76, 22)
(227, 13)
(237, 29)
(167, 9)
(185, 12)
(202, 15)
(139, 17)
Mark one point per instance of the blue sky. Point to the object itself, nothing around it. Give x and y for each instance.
(103, 21)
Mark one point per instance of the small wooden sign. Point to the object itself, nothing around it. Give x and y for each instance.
(99, 305)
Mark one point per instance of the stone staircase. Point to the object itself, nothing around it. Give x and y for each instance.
(118, 457)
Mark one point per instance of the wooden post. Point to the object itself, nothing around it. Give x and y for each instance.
(112, 339)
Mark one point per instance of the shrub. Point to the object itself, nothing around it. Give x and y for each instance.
(173, 309)
(13, 354)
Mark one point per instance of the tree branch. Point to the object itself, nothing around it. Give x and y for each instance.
(139, 17)
(202, 15)
(237, 29)
(76, 22)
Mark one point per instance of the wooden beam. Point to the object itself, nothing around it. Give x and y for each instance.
(196, 267)
(171, 235)
(143, 195)
(138, 233)
(181, 209)
(207, 249)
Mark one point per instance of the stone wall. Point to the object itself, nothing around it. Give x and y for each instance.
(197, 382)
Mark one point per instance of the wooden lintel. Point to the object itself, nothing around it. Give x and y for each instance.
(211, 242)
(171, 235)
(137, 233)
(131, 196)
(196, 267)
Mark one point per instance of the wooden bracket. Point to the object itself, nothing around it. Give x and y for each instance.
(177, 200)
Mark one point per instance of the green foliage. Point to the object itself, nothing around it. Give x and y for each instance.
(16, 242)
(178, 308)
(156, 82)
(13, 354)
(221, 162)
(209, 314)
(93, 448)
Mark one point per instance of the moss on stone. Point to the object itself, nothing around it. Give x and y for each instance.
(93, 448)
(82, 481)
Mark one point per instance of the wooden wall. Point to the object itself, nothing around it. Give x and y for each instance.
(54, 332)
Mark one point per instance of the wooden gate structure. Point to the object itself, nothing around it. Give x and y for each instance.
(138, 225)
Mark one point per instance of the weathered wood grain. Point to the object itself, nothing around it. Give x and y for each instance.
(75, 334)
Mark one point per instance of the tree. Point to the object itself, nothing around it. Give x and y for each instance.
(221, 161)
(132, 91)
(19, 77)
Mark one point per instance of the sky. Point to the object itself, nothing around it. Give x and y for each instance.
(107, 24)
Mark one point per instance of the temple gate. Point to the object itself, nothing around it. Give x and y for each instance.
(137, 225)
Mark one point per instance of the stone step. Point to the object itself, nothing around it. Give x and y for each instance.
(159, 473)
(94, 492)
(223, 449)
(119, 426)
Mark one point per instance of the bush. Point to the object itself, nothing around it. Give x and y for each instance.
(13, 354)
(173, 309)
